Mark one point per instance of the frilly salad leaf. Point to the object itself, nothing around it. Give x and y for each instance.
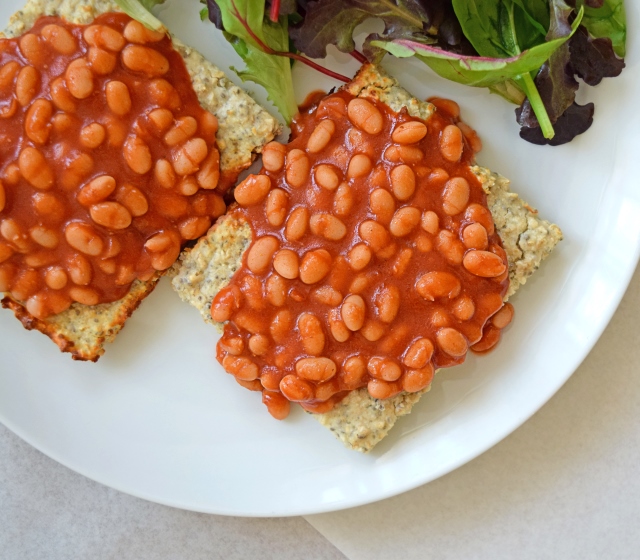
(607, 21)
(141, 10)
(248, 29)
(332, 22)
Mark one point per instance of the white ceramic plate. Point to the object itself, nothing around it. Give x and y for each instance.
(157, 417)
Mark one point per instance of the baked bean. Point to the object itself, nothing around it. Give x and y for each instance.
(402, 262)
(9, 110)
(297, 168)
(209, 174)
(234, 345)
(92, 135)
(404, 154)
(403, 182)
(418, 354)
(321, 136)
(450, 247)
(327, 226)
(277, 405)
(297, 224)
(12, 174)
(276, 208)
(451, 143)
(133, 200)
(384, 368)
(165, 175)
(194, 227)
(125, 275)
(137, 155)
(102, 62)
(208, 127)
(161, 260)
(35, 169)
(273, 155)
(365, 116)
(327, 177)
(113, 247)
(136, 32)
(471, 136)
(145, 60)
(241, 367)
(353, 372)
(261, 253)
(11, 230)
(382, 205)
(484, 264)
(84, 238)
(360, 142)
(373, 330)
(478, 213)
(490, 303)
(48, 206)
(463, 308)
(353, 312)
(332, 107)
(36, 305)
(359, 256)
(343, 200)
(490, 337)
(326, 295)
(416, 380)
(25, 284)
(316, 369)
(327, 389)
(296, 389)
(187, 159)
(474, 236)
(375, 235)
(451, 342)
(5, 253)
(503, 317)
(388, 303)
(8, 73)
(80, 270)
(280, 328)
(31, 48)
(276, 290)
(315, 265)
(361, 282)
(108, 266)
(97, 190)
(447, 106)
(259, 344)
(118, 97)
(78, 167)
(37, 121)
(3, 197)
(59, 38)
(226, 302)
(27, 85)
(360, 165)
(79, 78)
(438, 284)
(44, 237)
(164, 94)
(56, 278)
(312, 336)
(7, 273)
(184, 129)
(338, 329)
(455, 196)
(430, 222)
(62, 124)
(252, 190)
(116, 132)
(85, 296)
(161, 120)
(404, 221)
(286, 263)
(409, 132)
(251, 287)
(38, 259)
(380, 389)
(104, 37)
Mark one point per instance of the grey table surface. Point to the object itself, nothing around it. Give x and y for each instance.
(565, 485)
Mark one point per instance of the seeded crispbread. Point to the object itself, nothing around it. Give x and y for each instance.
(244, 128)
(361, 421)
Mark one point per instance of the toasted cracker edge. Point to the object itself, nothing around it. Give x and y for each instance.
(84, 330)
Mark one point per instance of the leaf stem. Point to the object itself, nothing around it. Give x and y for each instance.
(268, 50)
(274, 13)
(529, 87)
(359, 56)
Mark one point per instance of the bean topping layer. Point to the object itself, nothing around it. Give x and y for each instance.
(108, 163)
(374, 259)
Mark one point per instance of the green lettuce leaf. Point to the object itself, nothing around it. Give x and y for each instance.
(608, 21)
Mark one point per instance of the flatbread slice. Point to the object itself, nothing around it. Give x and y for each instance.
(244, 128)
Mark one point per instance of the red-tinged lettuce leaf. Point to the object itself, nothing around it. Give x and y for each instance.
(593, 59)
(332, 22)
(477, 71)
(574, 121)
